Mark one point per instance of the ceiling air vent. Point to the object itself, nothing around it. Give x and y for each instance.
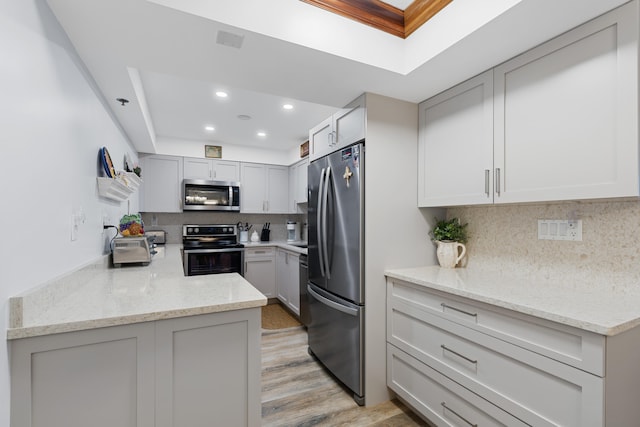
(229, 39)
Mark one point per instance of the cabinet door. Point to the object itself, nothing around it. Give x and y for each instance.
(455, 148)
(566, 115)
(282, 276)
(277, 189)
(195, 168)
(208, 370)
(301, 181)
(349, 124)
(261, 273)
(320, 139)
(252, 193)
(288, 279)
(226, 170)
(298, 185)
(162, 180)
(99, 378)
(293, 273)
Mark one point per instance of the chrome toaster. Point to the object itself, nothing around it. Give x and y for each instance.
(128, 250)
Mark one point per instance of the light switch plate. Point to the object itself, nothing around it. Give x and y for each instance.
(560, 229)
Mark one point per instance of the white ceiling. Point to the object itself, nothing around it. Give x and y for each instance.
(162, 55)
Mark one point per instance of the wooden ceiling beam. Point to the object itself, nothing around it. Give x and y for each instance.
(419, 12)
(373, 12)
(383, 16)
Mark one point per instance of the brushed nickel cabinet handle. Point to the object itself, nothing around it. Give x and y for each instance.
(498, 181)
(444, 405)
(444, 306)
(445, 348)
(486, 182)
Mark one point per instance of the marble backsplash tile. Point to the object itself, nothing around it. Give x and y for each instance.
(504, 238)
(172, 222)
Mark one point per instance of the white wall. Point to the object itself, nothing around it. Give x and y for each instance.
(52, 126)
(188, 148)
(396, 231)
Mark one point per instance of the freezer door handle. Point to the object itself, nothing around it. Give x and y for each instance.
(319, 219)
(325, 202)
(346, 310)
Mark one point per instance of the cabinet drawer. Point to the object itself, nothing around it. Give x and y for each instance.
(581, 349)
(534, 388)
(260, 252)
(439, 399)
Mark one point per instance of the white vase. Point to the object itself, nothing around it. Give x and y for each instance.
(449, 254)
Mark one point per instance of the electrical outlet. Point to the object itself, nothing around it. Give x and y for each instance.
(560, 229)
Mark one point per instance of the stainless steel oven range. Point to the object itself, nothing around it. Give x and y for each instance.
(211, 249)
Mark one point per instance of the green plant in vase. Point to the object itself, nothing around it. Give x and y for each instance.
(450, 236)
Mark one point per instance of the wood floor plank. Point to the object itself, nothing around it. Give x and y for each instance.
(298, 391)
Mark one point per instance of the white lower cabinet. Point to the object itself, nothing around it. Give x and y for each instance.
(452, 358)
(440, 399)
(177, 372)
(208, 370)
(288, 279)
(260, 269)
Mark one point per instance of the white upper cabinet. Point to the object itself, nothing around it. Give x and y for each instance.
(218, 170)
(265, 188)
(455, 149)
(298, 185)
(565, 123)
(345, 127)
(566, 115)
(160, 191)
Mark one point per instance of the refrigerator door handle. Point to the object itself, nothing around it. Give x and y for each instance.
(341, 308)
(325, 202)
(319, 221)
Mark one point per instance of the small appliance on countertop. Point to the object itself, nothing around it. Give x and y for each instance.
(293, 231)
(128, 250)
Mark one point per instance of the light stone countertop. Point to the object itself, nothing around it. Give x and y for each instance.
(596, 307)
(279, 244)
(97, 296)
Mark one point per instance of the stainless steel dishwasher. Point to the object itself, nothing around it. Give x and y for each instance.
(304, 302)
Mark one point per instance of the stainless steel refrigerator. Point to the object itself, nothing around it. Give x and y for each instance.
(335, 289)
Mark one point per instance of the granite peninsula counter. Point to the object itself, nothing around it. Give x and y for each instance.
(136, 346)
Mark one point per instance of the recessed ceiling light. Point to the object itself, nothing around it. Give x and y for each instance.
(287, 107)
(244, 117)
(221, 94)
(209, 128)
(262, 134)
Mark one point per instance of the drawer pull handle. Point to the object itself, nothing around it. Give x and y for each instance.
(444, 347)
(444, 405)
(458, 310)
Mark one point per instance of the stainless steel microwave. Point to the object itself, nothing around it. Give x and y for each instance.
(201, 194)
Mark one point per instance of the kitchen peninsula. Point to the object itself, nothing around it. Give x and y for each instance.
(136, 346)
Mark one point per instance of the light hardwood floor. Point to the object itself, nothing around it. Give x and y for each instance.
(298, 391)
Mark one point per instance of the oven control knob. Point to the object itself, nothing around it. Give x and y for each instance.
(196, 229)
(189, 230)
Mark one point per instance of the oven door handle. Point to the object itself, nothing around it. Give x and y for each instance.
(201, 251)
